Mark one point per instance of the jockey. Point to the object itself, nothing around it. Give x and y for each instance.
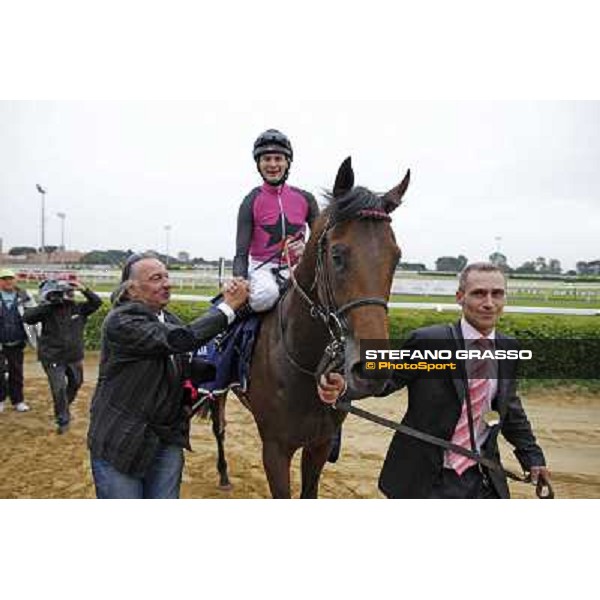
(271, 222)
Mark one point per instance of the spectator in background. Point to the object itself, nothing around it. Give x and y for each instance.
(61, 344)
(13, 336)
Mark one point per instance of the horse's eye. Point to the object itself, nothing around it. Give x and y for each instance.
(338, 258)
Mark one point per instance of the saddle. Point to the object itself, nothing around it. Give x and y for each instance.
(223, 363)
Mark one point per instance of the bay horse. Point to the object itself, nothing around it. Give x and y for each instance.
(338, 295)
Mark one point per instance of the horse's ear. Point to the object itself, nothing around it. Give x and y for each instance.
(344, 180)
(393, 199)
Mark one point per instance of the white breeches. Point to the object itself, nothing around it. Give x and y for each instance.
(264, 291)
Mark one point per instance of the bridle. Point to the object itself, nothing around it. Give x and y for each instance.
(325, 308)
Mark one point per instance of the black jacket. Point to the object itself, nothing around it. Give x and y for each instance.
(61, 338)
(412, 466)
(138, 401)
(12, 330)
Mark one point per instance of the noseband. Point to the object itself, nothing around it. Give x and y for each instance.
(325, 308)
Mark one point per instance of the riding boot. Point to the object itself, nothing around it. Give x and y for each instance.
(283, 283)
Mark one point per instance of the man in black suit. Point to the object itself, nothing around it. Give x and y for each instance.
(469, 411)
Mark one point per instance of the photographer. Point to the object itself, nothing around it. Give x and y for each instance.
(60, 347)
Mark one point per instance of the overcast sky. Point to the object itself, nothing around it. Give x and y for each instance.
(524, 172)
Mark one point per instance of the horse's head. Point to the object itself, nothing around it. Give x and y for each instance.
(356, 256)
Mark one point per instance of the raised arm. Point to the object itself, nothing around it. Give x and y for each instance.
(139, 336)
(92, 301)
(36, 314)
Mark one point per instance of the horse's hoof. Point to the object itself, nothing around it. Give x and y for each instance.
(225, 487)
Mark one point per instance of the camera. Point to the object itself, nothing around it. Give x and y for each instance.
(54, 291)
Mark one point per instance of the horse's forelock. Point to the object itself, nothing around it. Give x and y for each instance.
(357, 202)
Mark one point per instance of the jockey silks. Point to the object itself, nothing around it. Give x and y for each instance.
(267, 216)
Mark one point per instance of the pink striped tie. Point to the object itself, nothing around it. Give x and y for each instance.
(479, 385)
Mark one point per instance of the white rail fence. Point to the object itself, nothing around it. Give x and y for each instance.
(404, 284)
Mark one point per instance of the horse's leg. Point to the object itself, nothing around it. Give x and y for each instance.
(313, 459)
(276, 461)
(217, 414)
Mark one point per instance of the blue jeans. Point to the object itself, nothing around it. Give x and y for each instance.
(162, 481)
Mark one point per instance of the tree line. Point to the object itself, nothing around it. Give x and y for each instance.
(449, 264)
(538, 266)
(118, 257)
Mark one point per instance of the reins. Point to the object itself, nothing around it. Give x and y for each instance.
(543, 488)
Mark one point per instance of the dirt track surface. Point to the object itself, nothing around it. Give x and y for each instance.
(35, 462)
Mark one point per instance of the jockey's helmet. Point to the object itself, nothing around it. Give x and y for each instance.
(272, 141)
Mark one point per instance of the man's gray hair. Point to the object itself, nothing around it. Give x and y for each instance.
(485, 267)
(121, 293)
(132, 260)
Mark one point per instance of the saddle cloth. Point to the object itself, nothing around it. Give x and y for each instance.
(224, 362)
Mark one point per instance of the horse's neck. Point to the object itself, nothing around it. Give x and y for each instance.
(305, 334)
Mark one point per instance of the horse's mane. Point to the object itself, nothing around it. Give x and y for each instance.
(358, 203)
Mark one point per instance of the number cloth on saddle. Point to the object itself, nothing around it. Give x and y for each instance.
(225, 360)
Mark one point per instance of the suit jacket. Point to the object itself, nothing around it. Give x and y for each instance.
(138, 401)
(412, 466)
